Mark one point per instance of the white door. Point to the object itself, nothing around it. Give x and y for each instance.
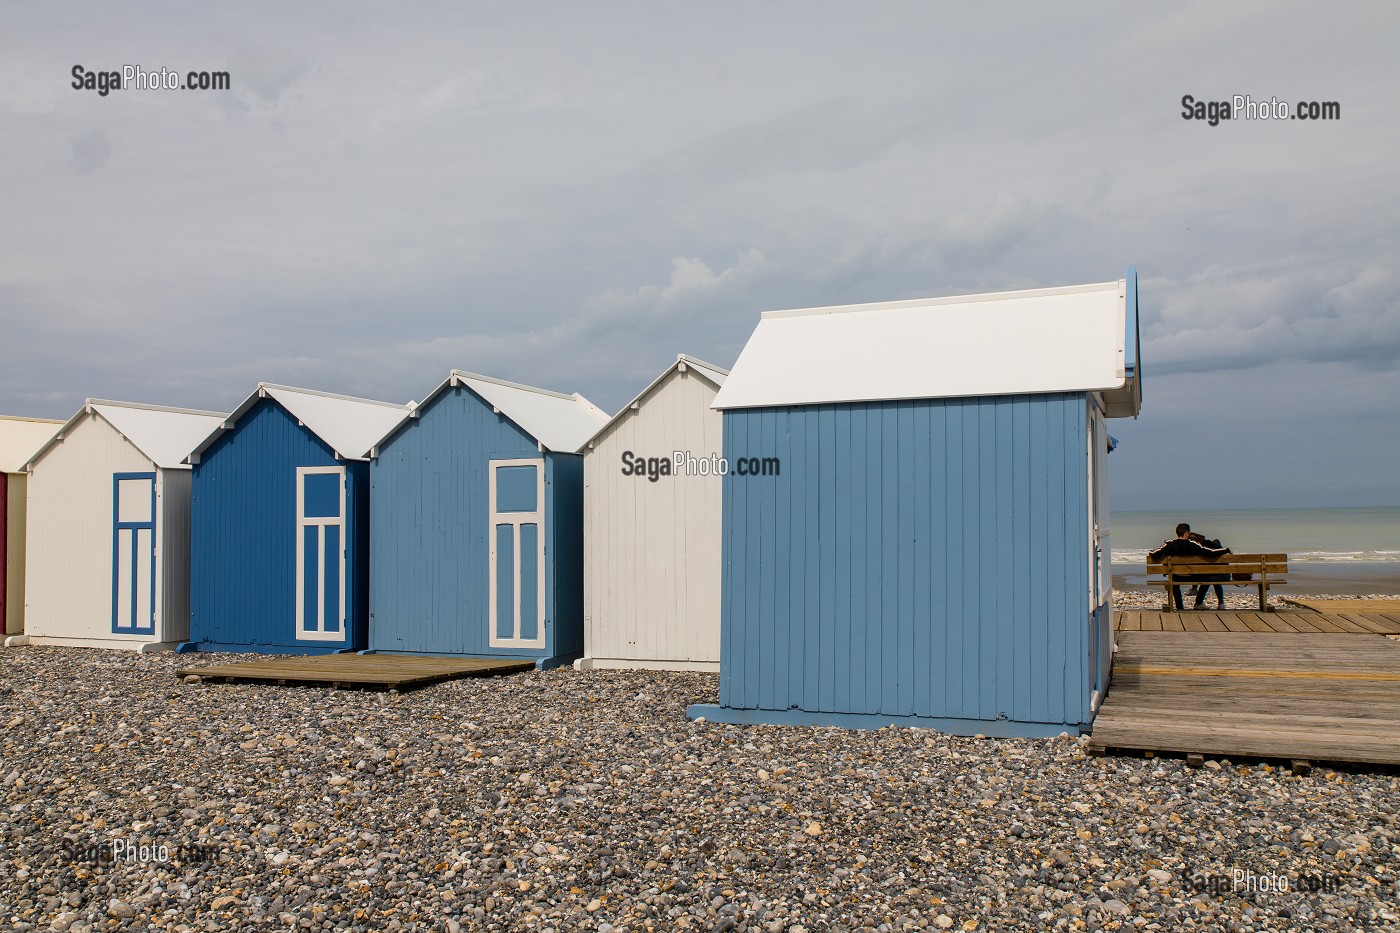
(516, 617)
(320, 554)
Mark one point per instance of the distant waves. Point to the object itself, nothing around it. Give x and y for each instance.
(1139, 556)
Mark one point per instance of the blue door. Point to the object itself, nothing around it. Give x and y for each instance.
(133, 553)
(516, 613)
(320, 570)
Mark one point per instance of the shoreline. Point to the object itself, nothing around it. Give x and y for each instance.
(1305, 578)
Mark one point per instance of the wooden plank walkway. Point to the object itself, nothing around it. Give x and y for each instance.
(1282, 622)
(1277, 695)
(374, 671)
(1344, 605)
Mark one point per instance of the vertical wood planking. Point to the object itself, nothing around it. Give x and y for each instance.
(428, 527)
(921, 557)
(1004, 630)
(243, 534)
(68, 547)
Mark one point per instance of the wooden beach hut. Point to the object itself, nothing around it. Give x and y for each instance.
(915, 519)
(20, 438)
(279, 523)
(651, 529)
(476, 523)
(107, 556)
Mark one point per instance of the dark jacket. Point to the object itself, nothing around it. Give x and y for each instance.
(1185, 547)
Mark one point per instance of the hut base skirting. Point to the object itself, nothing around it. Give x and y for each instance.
(542, 664)
(644, 664)
(993, 728)
(145, 647)
(214, 646)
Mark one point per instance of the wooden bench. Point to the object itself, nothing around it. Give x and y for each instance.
(1258, 570)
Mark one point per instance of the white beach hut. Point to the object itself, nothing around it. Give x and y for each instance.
(108, 552)
(652, 527)
(19, 439)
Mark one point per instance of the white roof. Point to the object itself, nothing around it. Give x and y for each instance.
(21, 438)
(349, 425)
(164, 435)
(708, 371)
(557, 421)
(1044, 340)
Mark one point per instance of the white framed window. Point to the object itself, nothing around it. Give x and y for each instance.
(320, 568)
(517, 590)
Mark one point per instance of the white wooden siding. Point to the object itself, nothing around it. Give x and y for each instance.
(652, 550)
(68, 565)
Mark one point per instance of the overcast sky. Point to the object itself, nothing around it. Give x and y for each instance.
(568, 196)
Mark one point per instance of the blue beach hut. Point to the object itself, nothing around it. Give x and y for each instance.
(915, 512)
(278, 543)
(476, 523)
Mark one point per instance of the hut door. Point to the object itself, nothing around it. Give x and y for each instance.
(133, 553)
(516, 614)
(320, 553)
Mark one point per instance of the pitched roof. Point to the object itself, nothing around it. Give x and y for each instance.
(1076, 338)
(557, 421)
(708, 371)
(164, 435)
(20, 438)
(350, 426)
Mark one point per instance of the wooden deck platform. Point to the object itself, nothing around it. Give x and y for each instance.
(1277, 695)
(1390, 606)
(1282, 622)
(372, 671)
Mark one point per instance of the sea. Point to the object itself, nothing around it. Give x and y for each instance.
(1351, 552)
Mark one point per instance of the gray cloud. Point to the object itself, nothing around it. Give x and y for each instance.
(569, 197)
(89, 151)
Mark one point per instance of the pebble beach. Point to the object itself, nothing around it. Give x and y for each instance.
(567, 800)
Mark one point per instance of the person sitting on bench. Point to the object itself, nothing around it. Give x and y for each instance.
(1183, 546)
(1204, 583)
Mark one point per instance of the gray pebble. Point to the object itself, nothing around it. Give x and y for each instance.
(586, 801)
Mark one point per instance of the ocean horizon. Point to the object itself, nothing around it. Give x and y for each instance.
(1349, 551)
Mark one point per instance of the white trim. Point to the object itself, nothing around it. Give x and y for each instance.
(557, 427)
(516, 519)
(683, 364)
(644, 664)
(1009, 343)
(1091, 501)
(141, 644)
(1100, 556)
(319, 633)
(1118, 286)
(330, 429)
(89, 409)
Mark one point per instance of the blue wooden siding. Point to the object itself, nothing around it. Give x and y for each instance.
(243, 528)
(913, 558)
(429, 520)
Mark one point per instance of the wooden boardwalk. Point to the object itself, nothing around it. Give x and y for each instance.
(374, 671)
(1390, 606)
(1282, 622)
(1291, 695)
